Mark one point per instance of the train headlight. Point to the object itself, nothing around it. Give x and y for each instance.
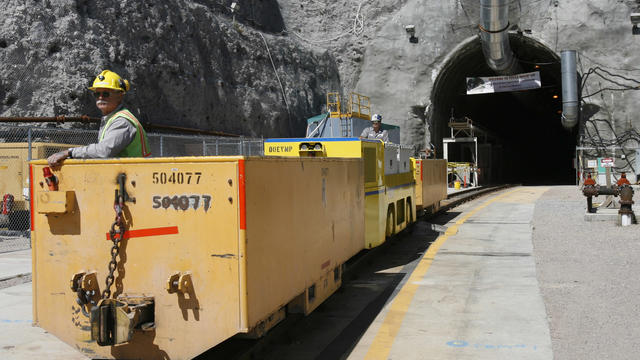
(318, 147)
(304, 147)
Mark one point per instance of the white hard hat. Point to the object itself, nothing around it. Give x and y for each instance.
(376, 117)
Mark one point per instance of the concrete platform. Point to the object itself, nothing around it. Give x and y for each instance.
(605, 215)
(19, 339)
(451, 190)
(477, 299)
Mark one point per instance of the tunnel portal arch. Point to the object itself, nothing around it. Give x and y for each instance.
(522, 140)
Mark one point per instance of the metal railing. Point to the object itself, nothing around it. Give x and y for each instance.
(360, 106)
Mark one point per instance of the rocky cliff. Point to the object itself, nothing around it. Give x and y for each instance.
(191, 63)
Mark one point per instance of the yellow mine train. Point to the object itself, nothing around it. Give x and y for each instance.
(168, 257)
(394, 186)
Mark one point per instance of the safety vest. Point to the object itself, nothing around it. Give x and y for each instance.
(139, 146)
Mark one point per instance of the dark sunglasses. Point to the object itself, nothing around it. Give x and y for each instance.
(104, 94)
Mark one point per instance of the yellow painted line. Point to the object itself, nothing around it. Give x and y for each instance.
(388, 331)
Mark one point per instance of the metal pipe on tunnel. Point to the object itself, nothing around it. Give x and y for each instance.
(494, 23)
(569, 89)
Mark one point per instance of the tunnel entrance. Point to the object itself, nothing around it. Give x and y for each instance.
(520, 137)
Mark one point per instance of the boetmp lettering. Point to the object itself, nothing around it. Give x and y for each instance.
(280, 149)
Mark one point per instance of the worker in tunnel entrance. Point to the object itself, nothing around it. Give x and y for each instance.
(120, 134)
(375, 130)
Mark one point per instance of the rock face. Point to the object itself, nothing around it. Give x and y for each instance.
(191, 63)
(263, 68)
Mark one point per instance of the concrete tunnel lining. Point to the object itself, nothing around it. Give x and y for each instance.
(524, 131)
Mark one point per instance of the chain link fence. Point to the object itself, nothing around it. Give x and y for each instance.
(20, 144)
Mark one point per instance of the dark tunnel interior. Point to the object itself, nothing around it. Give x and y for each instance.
(520, 136)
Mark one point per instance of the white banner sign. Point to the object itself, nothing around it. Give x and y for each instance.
(487, 85)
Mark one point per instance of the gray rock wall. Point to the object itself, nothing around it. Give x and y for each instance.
(399, 74)
(600, 31)
(191, 63)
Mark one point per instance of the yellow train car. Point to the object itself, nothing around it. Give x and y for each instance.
(430, 176)
(388, 179)
(14, 176)
(207, 248)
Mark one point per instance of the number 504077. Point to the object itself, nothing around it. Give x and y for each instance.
(182, 202)
(175, 177)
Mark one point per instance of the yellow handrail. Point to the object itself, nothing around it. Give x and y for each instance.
(359, 106)
(333, 104)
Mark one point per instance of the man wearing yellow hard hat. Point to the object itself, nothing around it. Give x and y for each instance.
(120, 134)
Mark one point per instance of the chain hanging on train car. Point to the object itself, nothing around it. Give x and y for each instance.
(117, 228)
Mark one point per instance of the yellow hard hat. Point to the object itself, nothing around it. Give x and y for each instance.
(110, 80)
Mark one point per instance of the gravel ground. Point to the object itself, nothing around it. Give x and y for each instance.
(587, 273)
(14, 242)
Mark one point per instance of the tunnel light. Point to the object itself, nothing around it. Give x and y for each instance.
(559, 112)
(537, 66)
(410, 29)
(555, 96)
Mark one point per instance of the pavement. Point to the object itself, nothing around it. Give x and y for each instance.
(15, 265)
(19, 339)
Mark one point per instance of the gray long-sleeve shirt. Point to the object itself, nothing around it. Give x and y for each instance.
(369, 133)
(117, 137)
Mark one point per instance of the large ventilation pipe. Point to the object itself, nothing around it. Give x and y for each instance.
(494, 23)
(569, 89)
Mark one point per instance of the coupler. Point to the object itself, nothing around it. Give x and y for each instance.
(113, 321)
